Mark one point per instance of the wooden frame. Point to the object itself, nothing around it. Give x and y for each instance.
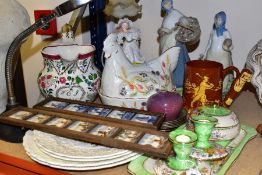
(148, 141)
(156, 124)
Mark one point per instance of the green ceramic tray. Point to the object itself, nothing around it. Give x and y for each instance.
(147, 166)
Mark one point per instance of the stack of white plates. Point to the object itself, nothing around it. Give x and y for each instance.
(67, 154)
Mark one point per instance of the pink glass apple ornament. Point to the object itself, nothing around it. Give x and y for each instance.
(169, 103)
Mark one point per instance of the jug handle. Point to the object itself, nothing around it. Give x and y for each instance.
(237, 86)
(229, 70)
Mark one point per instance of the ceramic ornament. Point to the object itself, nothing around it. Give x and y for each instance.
(254, 64)
(169, 103)
(227, 126)
(219, 46)
(203, 128)
(177, 30)
(129, 37)
(183, 142)
(129, 85)
(122, 8)
(69, 72)
(67, 34)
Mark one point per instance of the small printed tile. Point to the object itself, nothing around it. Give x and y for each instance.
(59, 122)
(76, 108)
(39, 118)
(116, 114)
(103, 130)
(21, 115)
(153, 140)
(81, 126)
(128, 136)
(98, 111)
(121, 115)
(128, 116)
(56, 104)
(142, 118)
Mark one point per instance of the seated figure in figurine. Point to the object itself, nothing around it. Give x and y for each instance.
(129, 38)
(219, 47)
(174, 31)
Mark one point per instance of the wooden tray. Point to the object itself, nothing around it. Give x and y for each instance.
(130, 116)
(107, 133)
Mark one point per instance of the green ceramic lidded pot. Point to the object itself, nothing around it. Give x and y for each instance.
(204, 126)
(183, 141)
(228, 125)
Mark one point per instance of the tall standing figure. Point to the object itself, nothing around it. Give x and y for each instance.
(220, 45)
(167, 39)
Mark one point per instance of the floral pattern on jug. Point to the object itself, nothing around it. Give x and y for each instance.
(69, 72)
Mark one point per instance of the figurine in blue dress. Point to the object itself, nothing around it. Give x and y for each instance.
(167, 38)
(219, 47)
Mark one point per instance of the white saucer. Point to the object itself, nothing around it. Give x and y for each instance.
(69, 149)
(36, 154)
(213, 153)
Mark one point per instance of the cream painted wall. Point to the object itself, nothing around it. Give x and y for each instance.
(243, 21)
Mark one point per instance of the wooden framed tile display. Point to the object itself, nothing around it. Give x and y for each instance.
(103, 132)
(103, 112)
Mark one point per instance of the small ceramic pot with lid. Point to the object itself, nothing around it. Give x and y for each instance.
(227, 127)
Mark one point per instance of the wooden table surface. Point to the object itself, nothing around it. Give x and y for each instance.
(249, 162)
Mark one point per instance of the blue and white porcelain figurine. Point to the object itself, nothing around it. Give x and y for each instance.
(174, 32)
(220, 45)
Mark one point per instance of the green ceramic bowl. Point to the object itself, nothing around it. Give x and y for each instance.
(214, 110)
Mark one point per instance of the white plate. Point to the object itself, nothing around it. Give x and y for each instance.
(73, 149)
(83, 159)
(36, 154)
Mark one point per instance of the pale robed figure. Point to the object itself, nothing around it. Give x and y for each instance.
(167, 39)
(219, 46)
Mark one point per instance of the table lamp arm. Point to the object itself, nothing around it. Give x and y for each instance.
(60, 10)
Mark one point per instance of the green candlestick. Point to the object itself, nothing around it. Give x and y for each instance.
(183, 141)
(203, 128)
